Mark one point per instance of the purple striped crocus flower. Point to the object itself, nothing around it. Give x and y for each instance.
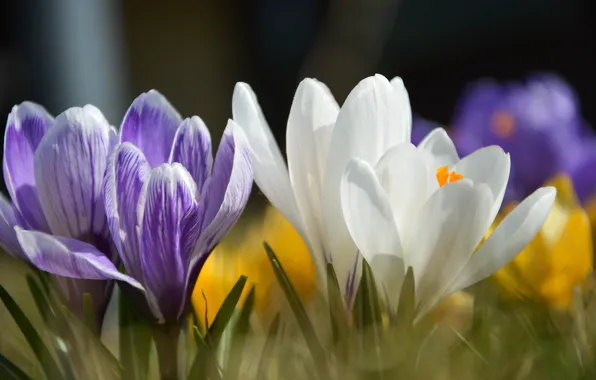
(167, 202)
(53, 169)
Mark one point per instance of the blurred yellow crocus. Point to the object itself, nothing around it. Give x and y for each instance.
(245, 255)
(558, 260)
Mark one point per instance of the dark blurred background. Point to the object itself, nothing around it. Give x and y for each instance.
(62, 53)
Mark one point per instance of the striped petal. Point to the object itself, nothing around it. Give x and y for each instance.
(226, 198)
(70, 163)
(68, 257)
(169, 227)
(127, 171)
(151, 123)
(25, 128)
(229, 188)
(192, 148)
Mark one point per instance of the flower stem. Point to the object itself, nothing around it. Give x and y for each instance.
(166, 342)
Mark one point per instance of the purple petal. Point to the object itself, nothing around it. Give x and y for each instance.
(8, 237)
(126, 173)
(68, 257)
(26, 126)
(169, 218)
(583, 173)
(69, 167)
(228, 192)
(192, 148)
(230, 186)
(151, 123)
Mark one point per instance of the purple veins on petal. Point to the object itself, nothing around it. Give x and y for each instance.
(25, 128)
(192, 148)
(150, 124)
(127, 171)
(230, 186)
(225, 199)
(70, 163)
(68, 257)
(169, 218)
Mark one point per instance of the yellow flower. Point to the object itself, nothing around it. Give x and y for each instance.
(245, 255)
(558, 260)
(456, 310)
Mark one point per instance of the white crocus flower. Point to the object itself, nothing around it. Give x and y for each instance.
(321, 140)
(423, 207)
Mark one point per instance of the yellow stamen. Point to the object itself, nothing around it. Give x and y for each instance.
(444, 176)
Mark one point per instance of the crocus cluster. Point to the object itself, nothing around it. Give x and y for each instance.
(356, 186)
(540, 124)
(145, 206)
(87, 198)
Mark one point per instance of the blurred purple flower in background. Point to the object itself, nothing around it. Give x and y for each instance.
(538, 122)
(54, 170)
(168, 203)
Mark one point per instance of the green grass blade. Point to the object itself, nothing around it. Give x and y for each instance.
(224, 314)
(316, 350)
(9, 371)
(205, 362)
(40, 350)
(337, 309)
(367, 306)
(89, 313)
(265, 361)
(97, 361)
(240, 330)
(404, 318)
(135, 342)
(368, 319)
(56, 324)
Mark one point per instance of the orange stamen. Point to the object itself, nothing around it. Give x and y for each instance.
(503, 124)
(444, 176)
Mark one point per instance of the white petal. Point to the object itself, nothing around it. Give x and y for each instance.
(270, 172)
(404, 175)
(313, 109)
(403, 105)
(509, 238)
(443, 237)
(367, 211)
(389, 273)
(438, 144)
(367, 125)
(490, 165)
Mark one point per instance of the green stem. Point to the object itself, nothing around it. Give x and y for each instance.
(166, 342)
